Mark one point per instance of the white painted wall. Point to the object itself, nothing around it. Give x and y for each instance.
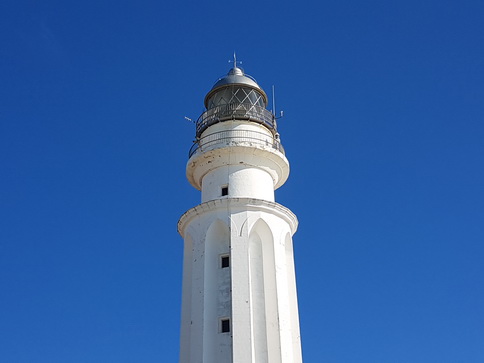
(257, 234)
(242, 181)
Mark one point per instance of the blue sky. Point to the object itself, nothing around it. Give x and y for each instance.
(383, 126)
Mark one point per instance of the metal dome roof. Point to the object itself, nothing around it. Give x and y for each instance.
(236, 76)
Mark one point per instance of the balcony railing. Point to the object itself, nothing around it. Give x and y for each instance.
(231, 111)
(236, 138)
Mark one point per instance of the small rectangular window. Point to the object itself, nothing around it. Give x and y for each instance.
(225, 190)
(225, 325)
(224, 261)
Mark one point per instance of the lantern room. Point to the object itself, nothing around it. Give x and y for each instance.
(236, 96)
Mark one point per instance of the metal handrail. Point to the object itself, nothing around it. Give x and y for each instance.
(231, 111)
(235, 138)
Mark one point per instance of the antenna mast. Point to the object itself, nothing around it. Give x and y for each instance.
(274, 100)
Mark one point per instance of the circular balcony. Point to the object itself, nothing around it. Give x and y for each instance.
(236, 138)
(236, 111)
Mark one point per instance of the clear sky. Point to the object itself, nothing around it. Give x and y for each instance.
(383, 126)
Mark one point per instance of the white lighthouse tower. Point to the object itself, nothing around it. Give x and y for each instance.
(239, 288)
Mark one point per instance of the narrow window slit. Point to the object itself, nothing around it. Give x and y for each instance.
(225, 325)
(224, 261)
(225, 190)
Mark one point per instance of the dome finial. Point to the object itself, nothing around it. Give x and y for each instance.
(235, 69)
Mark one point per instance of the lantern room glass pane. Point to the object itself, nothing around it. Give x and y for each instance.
(236, 95)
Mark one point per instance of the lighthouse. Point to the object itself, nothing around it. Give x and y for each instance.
(239, 301)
